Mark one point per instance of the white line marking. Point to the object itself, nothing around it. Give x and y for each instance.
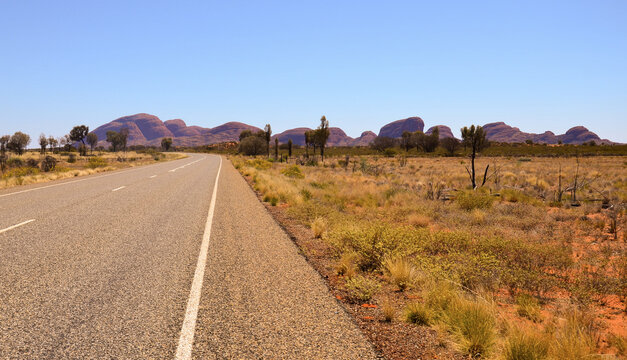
(120, 188)
(183, 166)
(186, 341)
(154, 176)
(17, 225)
(75, 181)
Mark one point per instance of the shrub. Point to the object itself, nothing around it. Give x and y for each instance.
(71, 158)
(32, 163)
(96, 162)
(346, 266)
(389, 312)
(15, 162)
(576, 338)
(418, 314)
(319, 227)
(469, 200)
(48, 164)
(418, 220)
(473, 326)
(527, 306)
(619, 343)
(361, 289)
(20, 172)
(252, 145)
(400, 272)
(526, 345)
(293, 172)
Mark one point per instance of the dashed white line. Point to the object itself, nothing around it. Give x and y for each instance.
(182, 167)
(120, 188)
(154, 176)
(186, 340)
(16, 225)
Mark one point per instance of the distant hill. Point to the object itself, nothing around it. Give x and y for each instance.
(146, 129)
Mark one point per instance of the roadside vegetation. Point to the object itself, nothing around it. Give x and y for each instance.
(72, 155)
(509, 258)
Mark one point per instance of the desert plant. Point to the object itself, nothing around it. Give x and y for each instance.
(92, 140)
(347, 266)
(48, 164)
(267, 131)
(321, 135)
(469, 200)
(96, 162)
(527, 306)
(166, 143)
(417, 313)
(526, 345)
(319, 227)
(389, 311)
(252, 145)
(361, 289)
(576, 337)
(18, 142)
(43, 143)
(475, 139)
(293, 172)
(71, 158)
(399, 271)
(472, 324)
(32, 163)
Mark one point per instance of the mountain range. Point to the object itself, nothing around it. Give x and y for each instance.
(146, 129)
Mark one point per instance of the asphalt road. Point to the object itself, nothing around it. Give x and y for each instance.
(104, 266)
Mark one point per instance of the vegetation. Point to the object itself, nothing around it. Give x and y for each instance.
(414, 230)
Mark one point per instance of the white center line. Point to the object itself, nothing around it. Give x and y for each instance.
(16, 225)
(154, 176)
(120, 188)
(186, 340)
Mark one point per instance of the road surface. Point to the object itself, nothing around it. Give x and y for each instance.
(112, 266)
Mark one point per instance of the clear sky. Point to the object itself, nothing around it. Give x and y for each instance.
(538, 65)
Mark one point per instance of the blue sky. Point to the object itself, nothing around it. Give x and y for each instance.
(537, 65)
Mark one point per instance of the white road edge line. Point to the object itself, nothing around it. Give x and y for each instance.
(75, 181)
(120, 188)
(16, 225)
(186, 340)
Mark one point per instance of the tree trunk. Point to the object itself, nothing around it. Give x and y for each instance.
(472, 168)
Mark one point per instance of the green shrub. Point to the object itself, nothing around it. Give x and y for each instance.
(361, 289)
(399, 271)
(33, 163)
(20, 172)
(293, 172)
(96, 162)
(15, 162)
(469, 200)
(417, 313)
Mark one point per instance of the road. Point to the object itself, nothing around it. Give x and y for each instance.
(158, 262)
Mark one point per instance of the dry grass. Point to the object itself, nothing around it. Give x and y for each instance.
(514, 235)
(82, 166)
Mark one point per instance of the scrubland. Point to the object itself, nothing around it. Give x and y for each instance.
(29, 167)
(520, 268)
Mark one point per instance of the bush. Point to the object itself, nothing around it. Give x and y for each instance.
(71, 158)
(293, 172)
(346, 266)
(389, 312)
(361, 289)
(20, 172)
(252, 145)
(15, 162)
(527, 306)
(523, 345)
(319, 227)
(96, 162)
(48, 164)
(577, 338)
(400, 272)
(32, 163)
(418, 314)
(473, 326)
(469, 200)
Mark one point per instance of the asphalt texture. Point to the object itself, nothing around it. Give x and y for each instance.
(104, 274)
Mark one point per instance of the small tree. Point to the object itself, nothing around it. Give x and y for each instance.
(4, 141)
(474, 139)
(245, 134)
(382, 143)
(78, 134)
(52, 143)
(276, 148)
(123, 137)
(322, 135)
(407, 140)
(113, 137)
(268, 135)
(289, 147)
(18, 142)
(43, 142)
(308, 141)
(166, 143)
(92, 140)
(451, 145)
(431, 141)
(252, 145)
